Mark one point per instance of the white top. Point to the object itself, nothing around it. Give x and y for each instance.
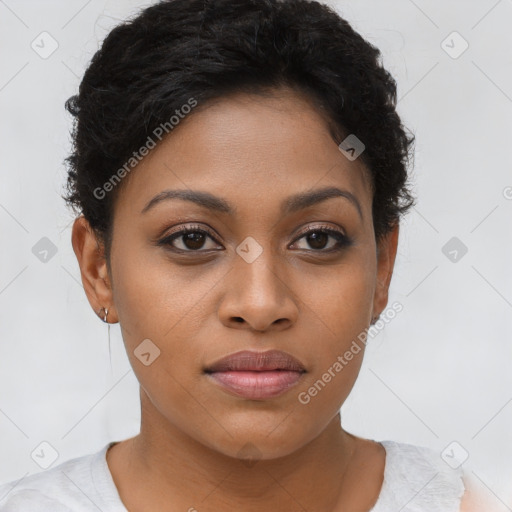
(416, 479)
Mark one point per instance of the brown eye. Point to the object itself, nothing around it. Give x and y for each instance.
(318, 239)
(189, 240)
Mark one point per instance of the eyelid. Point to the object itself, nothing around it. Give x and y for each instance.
(324, 227)
(209, 231)
(191, 227)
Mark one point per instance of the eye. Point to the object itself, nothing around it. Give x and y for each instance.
(191, 239)
(318, 239)
(194, 239)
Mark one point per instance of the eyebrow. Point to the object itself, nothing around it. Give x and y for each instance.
(290, 205)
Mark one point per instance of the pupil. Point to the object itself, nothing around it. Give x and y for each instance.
(315, 237)
(194, 240)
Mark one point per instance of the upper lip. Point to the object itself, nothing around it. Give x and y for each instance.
(257, 361)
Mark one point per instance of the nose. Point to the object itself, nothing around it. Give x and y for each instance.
(258, 296)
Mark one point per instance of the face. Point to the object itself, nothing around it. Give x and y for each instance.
(256, 269)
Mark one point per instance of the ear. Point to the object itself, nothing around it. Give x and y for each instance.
(93, 268)
(386, 253)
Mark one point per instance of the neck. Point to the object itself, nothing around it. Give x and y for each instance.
(164, 468)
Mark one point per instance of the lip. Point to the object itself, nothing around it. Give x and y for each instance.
(249, 360)
(256, 375)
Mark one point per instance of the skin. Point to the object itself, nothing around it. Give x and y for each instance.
(254, 152)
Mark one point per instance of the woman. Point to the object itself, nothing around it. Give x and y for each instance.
(240, 172)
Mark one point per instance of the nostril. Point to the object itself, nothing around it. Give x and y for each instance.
(238, 319)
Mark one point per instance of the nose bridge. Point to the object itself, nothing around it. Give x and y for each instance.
(257, 267)
(257, 292)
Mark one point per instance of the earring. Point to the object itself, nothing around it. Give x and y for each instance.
(105, 315)
(108, 331)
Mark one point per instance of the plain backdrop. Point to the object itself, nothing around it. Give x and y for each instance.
(438, 373)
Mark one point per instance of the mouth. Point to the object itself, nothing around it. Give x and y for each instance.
(256, 375)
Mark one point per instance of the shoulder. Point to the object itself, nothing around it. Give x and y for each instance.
(70, 486)
(417, 479)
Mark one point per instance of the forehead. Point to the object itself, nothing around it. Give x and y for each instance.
(248, 147)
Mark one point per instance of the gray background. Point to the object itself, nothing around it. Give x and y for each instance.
(438, 372)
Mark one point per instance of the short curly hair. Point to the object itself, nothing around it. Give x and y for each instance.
(151, 65)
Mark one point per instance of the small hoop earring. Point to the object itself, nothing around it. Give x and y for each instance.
(105, 314)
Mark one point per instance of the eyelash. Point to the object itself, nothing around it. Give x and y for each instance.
(343, 240)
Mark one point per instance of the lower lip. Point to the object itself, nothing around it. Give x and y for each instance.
(257, 384)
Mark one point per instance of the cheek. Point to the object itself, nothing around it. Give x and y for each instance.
(157, 311)
(341, 303)
(324, 392)
(155, 298)
(338, 310)
(337, 362)
(160, 302)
